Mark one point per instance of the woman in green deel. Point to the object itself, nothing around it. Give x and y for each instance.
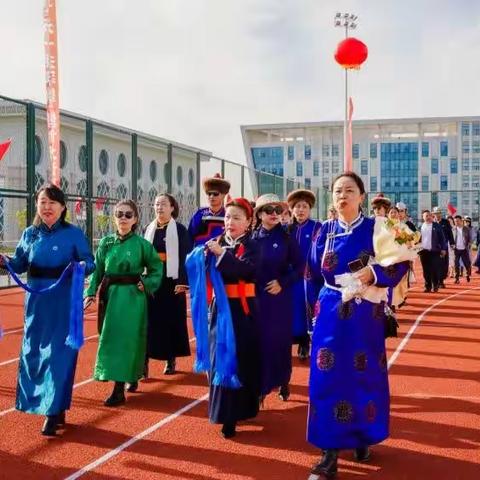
(127, 270)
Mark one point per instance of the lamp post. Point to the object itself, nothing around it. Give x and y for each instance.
(348, 21)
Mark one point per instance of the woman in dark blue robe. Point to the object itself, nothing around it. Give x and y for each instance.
(237, 260)
(303, 230)
(279, 266)
(47, 364)
(349, 394)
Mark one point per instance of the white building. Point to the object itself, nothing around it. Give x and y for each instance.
(424, 162)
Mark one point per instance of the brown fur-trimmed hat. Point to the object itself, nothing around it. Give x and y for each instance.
(216, 183)
(301, 195)
(380, 200)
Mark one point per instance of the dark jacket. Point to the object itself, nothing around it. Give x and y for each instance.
(466, 237)
(447, 230)
(439, 242)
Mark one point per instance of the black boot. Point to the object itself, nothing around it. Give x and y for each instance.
(132, 387)
(284, 392)
(228, 430)
(49, 428)
(61, 422)
(327, 465)
(117, 397)
(170, 367)
(362, 454)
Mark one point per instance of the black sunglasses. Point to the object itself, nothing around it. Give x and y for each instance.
(127, 215)
(269, 209)
(213, 194)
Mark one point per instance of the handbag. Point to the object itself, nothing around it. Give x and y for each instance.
(390, 323)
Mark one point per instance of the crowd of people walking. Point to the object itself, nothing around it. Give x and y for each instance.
(262, 276)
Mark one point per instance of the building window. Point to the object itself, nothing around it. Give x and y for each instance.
(444, 149)
(454, 198)
(308, 183)
(434, 199)
(425, 149)
(465, 181)
(475, 164)
(299, 169)
(356, 150)
(476, 146)
(434, 165)
(139, 168)
(153, 170)
(38, 150)
(103, 162)
(373, 184)
(453, 165)
(465, 128)
(335, 166)
(475, 181)
(326, 182)
(316, 168)
(326, 150)
(63, 154)
(443, 182)
(425, 181)
(121, 164)
(191, 177)
(335, 150)
(270, 160)
(82, 158)
(179, 176)
(373, 150)
(465, 164)
(364, 167)
(466, 146)
(326, 167)
(291, 152)
(308, 152)
(476, 129)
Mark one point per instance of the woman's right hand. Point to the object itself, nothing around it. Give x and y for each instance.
(87, 301)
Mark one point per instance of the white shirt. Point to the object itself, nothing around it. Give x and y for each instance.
(460, 241)
(427, 236)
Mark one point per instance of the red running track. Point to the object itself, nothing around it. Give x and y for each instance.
(163, 432)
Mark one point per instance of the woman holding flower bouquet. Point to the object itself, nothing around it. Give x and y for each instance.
(349, 395)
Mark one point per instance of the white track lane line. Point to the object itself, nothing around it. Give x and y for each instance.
(80, 384)
(112, 453)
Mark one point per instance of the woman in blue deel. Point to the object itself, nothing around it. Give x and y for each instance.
(47, 364)
(349, 396)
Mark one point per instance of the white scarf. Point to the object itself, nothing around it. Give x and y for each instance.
(171, 242)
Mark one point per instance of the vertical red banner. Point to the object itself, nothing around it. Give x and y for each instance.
(51, 75)
(348, 161)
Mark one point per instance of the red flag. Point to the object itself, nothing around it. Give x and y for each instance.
(348, 162)
(99, 203)
(451, 209)
(78, 207)
(4, 148)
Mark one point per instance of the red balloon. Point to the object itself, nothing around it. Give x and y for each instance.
(351, 53)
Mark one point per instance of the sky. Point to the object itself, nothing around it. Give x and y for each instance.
(193, 71)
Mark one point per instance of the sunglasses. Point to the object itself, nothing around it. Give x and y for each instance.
(128, 215)
(213, 194)
(269, 210)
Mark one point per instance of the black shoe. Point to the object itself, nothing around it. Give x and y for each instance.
(49, 428)
(457, 281)
(61, 422)
(117, 397)
(228, 430)
(170, 368)
(427, 290)
(284, 392)
(327, 466)
(132, 387)
(302, 352)
(362, 454)
(468, 278)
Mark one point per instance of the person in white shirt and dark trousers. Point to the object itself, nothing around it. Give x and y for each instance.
(461, 248)
(434, 248)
